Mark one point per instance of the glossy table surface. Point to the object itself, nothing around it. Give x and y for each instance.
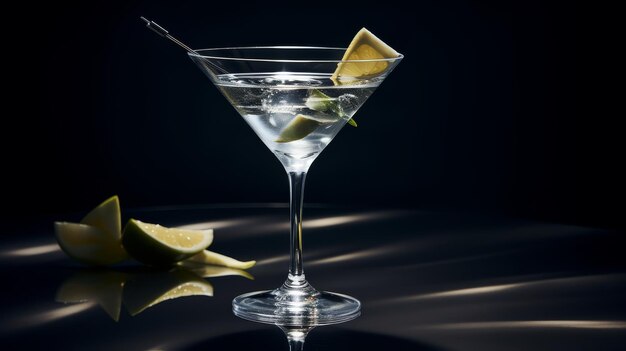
(427, 281)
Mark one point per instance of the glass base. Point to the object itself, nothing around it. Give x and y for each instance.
(296, 304)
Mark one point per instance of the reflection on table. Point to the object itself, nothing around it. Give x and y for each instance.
(428, 281)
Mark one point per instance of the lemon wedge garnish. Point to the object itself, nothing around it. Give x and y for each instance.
(364, 46)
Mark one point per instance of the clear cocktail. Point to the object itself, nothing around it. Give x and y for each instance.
(296, 99)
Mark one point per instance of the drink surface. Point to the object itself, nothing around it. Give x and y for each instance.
(295, 114)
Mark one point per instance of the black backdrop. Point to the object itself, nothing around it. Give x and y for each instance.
(481, 115)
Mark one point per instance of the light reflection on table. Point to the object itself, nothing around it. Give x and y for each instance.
(428, 281)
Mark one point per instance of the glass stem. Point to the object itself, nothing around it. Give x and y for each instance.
(295, 345)
(296, 183)
(296, 336)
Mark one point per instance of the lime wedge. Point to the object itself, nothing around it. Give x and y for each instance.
(210, 257)
(88, 244)
(103, 287)
(298, 128)
(151, 288)
(155, 245)
(106, 217)
(321, 102)
(97, 239)
(364, 46)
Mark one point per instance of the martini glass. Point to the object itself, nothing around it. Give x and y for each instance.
(292, 101)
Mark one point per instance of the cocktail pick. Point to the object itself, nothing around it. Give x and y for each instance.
(165, 34)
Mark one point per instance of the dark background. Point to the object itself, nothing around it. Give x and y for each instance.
(482, 115)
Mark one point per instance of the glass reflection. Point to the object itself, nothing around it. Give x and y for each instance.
(103, 287)
(296, 336)
(141, 289)
(324, 338)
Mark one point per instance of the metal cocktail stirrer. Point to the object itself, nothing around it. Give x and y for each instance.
(165, 34)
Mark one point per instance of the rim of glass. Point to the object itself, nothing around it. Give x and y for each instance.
(198, 53)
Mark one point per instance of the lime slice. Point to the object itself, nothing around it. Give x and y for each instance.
(364, 46)
(88, 244)
(106, 217)
(103, 287)
(155, 245)
(210, 257)
(148, 289)
(298, 128)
